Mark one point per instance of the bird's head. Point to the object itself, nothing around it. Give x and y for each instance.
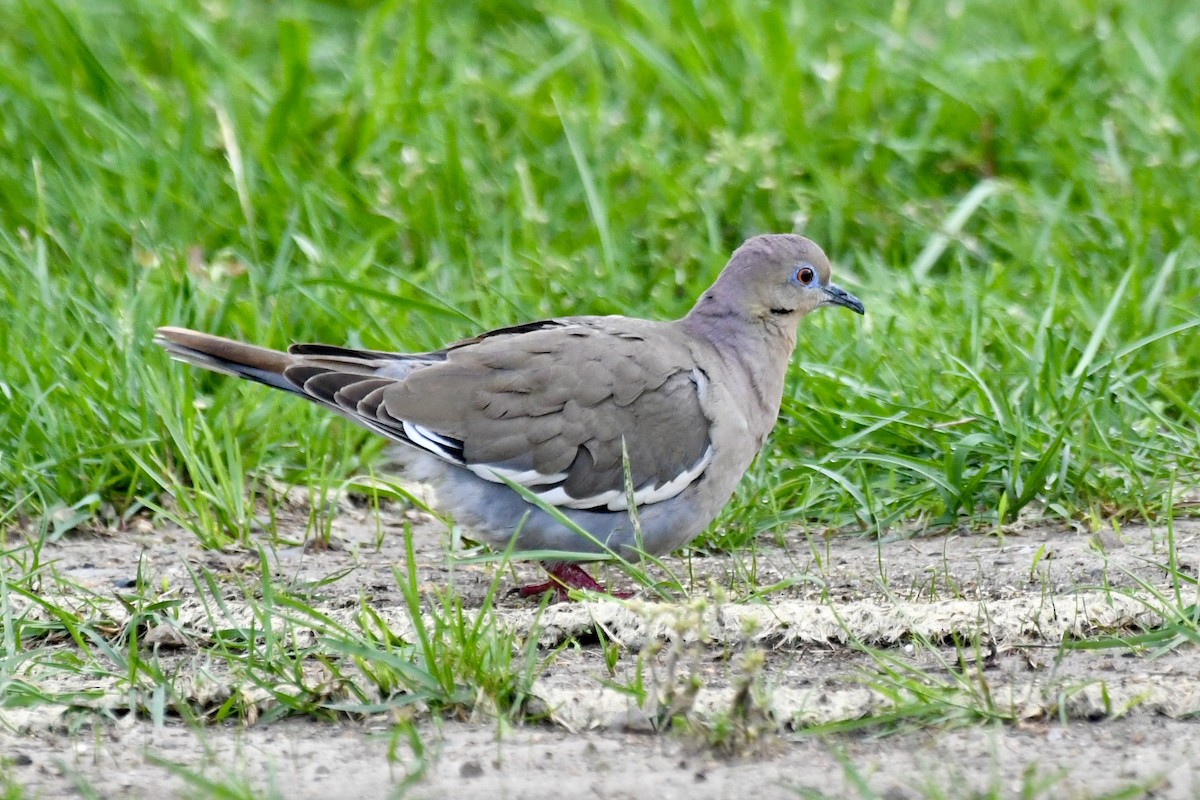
(780, 277)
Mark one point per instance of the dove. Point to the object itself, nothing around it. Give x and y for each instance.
(569, 408)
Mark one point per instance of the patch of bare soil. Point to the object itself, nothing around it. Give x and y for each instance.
(854, 629)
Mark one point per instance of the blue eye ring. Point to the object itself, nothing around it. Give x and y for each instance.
(804, 275)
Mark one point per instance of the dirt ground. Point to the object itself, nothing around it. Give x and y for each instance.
(853, 618)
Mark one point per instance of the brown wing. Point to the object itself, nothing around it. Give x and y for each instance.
(547, 407)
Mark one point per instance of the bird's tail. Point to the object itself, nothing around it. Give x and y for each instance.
(259, 364)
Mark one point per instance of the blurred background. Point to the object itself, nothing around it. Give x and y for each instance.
(1010, 188)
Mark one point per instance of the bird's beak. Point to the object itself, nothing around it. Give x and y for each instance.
(837, 296)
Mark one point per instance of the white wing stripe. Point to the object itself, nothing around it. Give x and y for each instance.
(559, 497)
(656, 494)
(613, 499)
(527, 478)
(433, 442)
(445, 441)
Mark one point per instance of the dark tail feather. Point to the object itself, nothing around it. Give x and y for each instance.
(218, 354)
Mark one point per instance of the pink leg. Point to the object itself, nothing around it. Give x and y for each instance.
(563, 578)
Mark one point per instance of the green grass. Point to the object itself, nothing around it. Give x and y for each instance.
(1012, 193)
(1008, 193)
(265, 640)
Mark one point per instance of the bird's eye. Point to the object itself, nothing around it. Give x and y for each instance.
(805, 275)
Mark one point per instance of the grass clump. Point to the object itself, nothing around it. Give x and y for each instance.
(399, 175)
(1009, 192)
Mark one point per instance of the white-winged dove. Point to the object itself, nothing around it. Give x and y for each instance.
(557, 406)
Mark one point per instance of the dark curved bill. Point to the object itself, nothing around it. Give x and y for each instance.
(837, 296)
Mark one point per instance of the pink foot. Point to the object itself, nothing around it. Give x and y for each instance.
(563, 578)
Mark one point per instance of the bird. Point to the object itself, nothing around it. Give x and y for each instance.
(637, 431)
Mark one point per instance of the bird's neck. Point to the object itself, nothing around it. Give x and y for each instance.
(756, 349)
(727, 325)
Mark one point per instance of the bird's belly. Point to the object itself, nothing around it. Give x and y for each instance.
(493, 513)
